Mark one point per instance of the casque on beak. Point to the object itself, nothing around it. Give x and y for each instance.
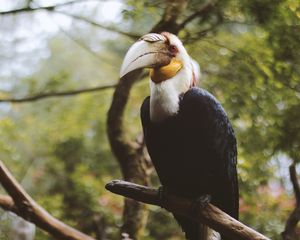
(149, 51)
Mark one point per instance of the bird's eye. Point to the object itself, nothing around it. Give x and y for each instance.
(173, 49)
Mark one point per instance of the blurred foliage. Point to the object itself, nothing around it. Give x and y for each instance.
(57, 148)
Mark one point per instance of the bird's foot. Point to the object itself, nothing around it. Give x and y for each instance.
(204, 200)
(162, 193)
(201, 202)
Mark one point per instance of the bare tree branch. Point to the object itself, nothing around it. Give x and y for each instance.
(172, 12)
(133, 36)
(295, 88)
(30, 9)
(289, 232)
(200, 12)
(23, 205)
(198, 36)
(83, 46)
(54, 8)
(209, 215)
(41, 96)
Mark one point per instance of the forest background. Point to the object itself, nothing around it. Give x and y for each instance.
(64, 115)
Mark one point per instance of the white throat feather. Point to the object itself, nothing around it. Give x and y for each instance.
(164, 98)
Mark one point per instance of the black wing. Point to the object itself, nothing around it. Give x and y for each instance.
(214, 131)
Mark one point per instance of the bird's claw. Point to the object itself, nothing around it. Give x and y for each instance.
(201, 202)
(204, 200)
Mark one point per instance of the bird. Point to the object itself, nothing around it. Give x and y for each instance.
(188, 135)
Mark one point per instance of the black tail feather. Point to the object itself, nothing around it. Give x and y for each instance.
(192, 230)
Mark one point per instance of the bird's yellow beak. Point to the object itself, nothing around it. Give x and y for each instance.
(149, 51)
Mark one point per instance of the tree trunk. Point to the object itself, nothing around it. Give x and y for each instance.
(289, 232)
(131, 155)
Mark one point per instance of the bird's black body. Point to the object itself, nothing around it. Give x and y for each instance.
(194, 153)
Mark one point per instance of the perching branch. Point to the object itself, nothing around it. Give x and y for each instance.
(41, 96)
(23, 205)
(289, 232)
(209, 215)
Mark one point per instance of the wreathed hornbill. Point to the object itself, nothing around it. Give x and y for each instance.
(187, 132)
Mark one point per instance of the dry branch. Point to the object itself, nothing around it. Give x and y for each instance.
(24, 206)
(133, 36)
(205, 8)
(30, 9)
(210, 215)
(54, 8)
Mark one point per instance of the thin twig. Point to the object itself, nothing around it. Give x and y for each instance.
(209, 215)
(133, 36)
(198, 36)
(51, 7)
(83, 46)
(41, 96)
(200, 12)
(54, 8)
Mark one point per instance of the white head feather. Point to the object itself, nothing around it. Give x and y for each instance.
(164, 98)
